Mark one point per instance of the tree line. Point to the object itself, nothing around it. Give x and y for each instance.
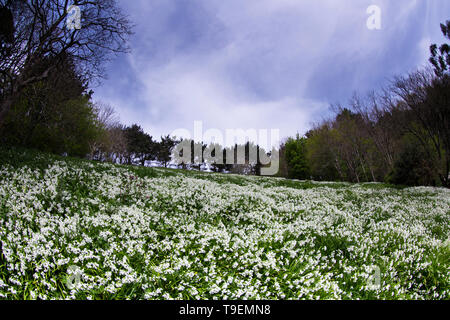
(46, 70)
(47, 67)
(131, 145)
(398, 135)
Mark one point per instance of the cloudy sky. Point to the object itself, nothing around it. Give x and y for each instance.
(261, 64)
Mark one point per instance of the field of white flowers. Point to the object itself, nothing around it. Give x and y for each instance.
(72, 229)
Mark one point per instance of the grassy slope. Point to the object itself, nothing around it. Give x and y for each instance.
(354, 226)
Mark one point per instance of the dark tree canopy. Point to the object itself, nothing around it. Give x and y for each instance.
(165, 148)
(140, 145)
(53, 115)
(6, 26)
(298, 167)
(41, 31)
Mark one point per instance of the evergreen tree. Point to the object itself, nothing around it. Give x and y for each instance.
(164, 149)
(440, 57)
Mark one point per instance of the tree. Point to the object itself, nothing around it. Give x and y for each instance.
(111, 144)
(295, 152)
(164, 149)
(246, 159)
(41, 35)
(283, 171)
(213, 156)
(197, 156)
(322, 156)
(256, 169)
(440, 57)
(6, 27)
(41, 116)
(412, 167)
(140, 145)
(222, 165)
(425, 101)
(380, 129)
(400, 136)
(182, 153)
(117, 144)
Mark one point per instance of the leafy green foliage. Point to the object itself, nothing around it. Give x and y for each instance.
(140, 145)
(164, 149)
(413, 167)
(53, 115)
(295, 152)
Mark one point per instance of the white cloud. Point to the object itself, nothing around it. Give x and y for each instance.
(180, 93)
(250, 64)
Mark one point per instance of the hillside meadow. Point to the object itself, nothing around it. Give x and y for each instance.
(76, 229)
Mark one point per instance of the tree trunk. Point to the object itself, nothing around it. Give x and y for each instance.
(372, 173)
(5, 107)
(338, 168)
(362, 165)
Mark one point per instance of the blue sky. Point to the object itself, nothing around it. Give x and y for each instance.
(262, 64)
